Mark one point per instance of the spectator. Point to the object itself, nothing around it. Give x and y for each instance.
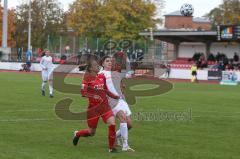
(96, 52)
(39, 52)
(28, 58)
(101, 53)
(225, 61)
(218, 56)
(168, 70)
(19, 54)
(1, 54)
(25, 67)
(211, 57)
(235, 57)
(221, 66)
(28, 55)
(63, 59)
(216, 65)
(140, 54)
(203, 64)
(196, 57)
(229, 67)
(79, 54)
(202, 57)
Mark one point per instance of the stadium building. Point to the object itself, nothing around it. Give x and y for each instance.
(185, 36)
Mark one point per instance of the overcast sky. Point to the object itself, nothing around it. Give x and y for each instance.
(201, 7)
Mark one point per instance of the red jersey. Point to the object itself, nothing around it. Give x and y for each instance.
(95, 86)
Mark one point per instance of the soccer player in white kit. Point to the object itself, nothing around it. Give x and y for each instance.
(119, 106)
(47, 66)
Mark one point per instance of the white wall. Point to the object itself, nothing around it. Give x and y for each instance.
(186, 74)
(15, 66)
(189, 49)
(225, 48)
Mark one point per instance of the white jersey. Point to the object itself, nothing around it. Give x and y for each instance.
(113, 81)
(46, 63)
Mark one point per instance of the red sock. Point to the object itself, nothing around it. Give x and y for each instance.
(111, 136)
(83, 133)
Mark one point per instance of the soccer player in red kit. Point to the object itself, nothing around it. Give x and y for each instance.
(94, 88)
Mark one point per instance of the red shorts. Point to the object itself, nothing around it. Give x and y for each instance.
(95, 112)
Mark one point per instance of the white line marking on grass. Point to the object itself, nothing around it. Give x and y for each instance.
(25, 120)
(30, 110)
(217, 112)
(27, 110)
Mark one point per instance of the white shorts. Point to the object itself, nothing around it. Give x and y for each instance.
(47, 75)
(119, 105)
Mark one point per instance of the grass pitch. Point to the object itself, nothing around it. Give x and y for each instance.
(30, 129)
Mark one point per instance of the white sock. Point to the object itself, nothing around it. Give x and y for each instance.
(51, 87)
(124, 134)
(118, 133)
(43, 85)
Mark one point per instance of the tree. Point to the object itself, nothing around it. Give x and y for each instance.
(112, 18)
(226, 13)
(47, 19)
(84, 17)
(11, 27)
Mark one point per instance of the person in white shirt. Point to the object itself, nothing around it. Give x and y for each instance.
(119, 106)
(47, 66)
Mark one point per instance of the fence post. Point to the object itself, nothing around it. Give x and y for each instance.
(74, 44)
(60, 46)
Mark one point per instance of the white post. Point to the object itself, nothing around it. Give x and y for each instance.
(97, 44)
(29, 26)
(5, 24)
(151, 33)
(48, 42)
(5, 50)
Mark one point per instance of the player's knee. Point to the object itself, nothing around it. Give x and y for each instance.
(130, 126)
(92, 132)
(122, 118)
(129, 123)
(111, 121)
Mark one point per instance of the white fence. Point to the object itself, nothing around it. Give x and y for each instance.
(174, 73)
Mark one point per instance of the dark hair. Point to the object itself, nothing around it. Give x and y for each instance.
(82, 67)
(87, 62)
(43, 54)
(103, 59)
(90, 65)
